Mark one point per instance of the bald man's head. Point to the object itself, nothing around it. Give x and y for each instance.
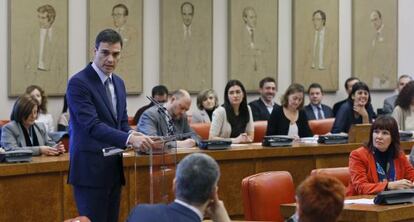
(179, 104)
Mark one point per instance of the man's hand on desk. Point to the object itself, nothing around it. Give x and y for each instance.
(143, 143)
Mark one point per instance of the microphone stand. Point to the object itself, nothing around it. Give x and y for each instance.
(162, 161)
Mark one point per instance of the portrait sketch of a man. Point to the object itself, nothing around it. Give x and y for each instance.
(315, 47)
(375, 43)
(253, 42)
(125, 17)
(39, 55)
(186, 44)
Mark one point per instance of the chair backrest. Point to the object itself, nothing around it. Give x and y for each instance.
(321, 126)
(341, 173)
(359, 133)
(202, 129)
(264, 192)
(260, 128)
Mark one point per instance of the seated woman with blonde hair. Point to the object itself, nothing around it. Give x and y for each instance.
(234, 119)
(22, 132)
(207, 102)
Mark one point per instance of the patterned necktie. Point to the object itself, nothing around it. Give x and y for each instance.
(109, 95)
(319, 113)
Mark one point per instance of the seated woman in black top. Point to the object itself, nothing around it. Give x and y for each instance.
(290, 119)
(356, 110)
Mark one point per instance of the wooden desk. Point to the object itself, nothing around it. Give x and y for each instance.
(38, 190)
(365, 212)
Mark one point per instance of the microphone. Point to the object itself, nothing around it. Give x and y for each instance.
(164, 112)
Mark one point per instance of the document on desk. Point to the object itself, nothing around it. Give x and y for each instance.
(359, 201)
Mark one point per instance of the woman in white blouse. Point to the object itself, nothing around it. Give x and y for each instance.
(404, 108)
(234, 119)
(43, 117)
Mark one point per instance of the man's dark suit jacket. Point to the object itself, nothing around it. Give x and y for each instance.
(259, 110)
(327, 112)
(92, 127)
(337, 106)
(162, 213)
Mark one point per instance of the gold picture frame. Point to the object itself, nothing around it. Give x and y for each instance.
(38, 46)
(186, 44)
(316, 43)
(125, 17)
(253, 38)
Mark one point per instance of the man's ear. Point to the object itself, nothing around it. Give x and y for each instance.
(174, 185)
(214, 193)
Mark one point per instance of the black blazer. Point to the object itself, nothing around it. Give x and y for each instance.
(337, 106)
(162, 213)
(259, 110)
(278, 124)
(327, 112)
(345, 117)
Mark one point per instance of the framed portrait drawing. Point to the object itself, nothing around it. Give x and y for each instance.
(38, 46)
(253, 41)
(316, 43)
(125, 17)
(186, 44)
(375, 42)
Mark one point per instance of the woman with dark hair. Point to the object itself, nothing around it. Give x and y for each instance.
(63, 122)
(356, 110)
(404, 107)
(43, 117)
(290, 119)
(381, 165)
(207, 102)
(234, 119)
(23, 133)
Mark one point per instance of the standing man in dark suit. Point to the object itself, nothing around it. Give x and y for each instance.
(315, 109)
(98, 119)
(195, 187)
(262, 107)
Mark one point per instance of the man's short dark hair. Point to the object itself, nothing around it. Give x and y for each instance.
(315, 85)
(126, 12)
(51, 13)
(405, 76)
(196, 178)
(323, 15)
(187, 3)
(349, 80)
(245, 10)
(265, 80)
(108, 36)
(159, 90)
(378, 13)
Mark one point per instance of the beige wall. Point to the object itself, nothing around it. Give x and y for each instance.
(77, 44)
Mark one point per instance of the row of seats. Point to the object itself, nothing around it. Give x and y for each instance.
(263, 193)
(318, 127)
